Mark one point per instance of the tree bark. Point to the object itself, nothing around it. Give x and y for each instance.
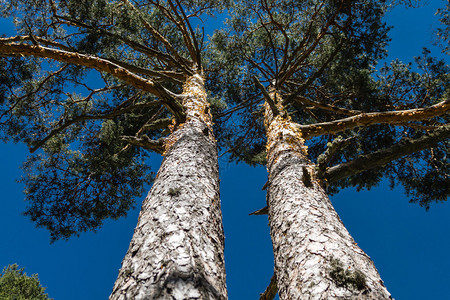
(177, 248)
(366, 119)
(315, 256)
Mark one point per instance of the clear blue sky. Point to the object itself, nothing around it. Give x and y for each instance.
(409, 246)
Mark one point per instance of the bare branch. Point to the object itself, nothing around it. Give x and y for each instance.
(191, 42)
(316, 74)
(288, 59)
(292, 68)
(367, 119)
(266, 95)
(385, 156)
(102, 65)
(272, 290)
(262, 211)
(145, 142)
(139, 70)
(335, 109)
(158, 36)
(324, 159)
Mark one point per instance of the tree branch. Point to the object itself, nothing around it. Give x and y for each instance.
(40, 40)
(259, 212)
(156, 34)
(145, 142)
(384, 156)
(271, 291)
(102, 65)
(139, 70)
(292, 68)
(316, 74)
(324, 159)
(110, 115)
(366, 119)
(191, 42)
(266, 95)
(132, 44)
(158, 124)
(335, 109)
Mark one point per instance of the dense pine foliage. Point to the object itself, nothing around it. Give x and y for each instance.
(103, 88)
(16, 285)
(326, 59)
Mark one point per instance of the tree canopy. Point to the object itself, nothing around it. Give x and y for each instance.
(90, 87)
(362, 122)
(322, 57)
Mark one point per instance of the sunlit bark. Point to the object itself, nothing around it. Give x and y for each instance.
(315, 256)
(366, 119)
(177, 248)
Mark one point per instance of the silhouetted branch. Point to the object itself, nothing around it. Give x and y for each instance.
(338, 110)
(271, 291)
(384, 156)
(145, 142)
(262, 211)
(266, 95)
(324, 159)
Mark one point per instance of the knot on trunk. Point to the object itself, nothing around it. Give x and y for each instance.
(346, 278)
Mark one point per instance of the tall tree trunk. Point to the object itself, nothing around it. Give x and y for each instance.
(177, 248)
(315, 256)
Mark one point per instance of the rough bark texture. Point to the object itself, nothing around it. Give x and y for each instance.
(177, 248)
(366, 119)
(315, 256)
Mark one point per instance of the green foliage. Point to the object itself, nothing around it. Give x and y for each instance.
(444, 30)
(270, 40)
(73, 118)
(276, 41)
(16, 285)
(71, 192)
(424, 175)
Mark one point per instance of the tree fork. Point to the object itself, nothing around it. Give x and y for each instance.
(315, 256)
(177, 248)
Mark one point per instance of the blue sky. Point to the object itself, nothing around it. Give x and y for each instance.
(408, 245)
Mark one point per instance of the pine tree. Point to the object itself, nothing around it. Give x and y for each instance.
(91, 87)
(330, 120)
(16, 285)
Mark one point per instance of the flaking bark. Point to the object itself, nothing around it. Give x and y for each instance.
(315, 256)
(177, 248)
